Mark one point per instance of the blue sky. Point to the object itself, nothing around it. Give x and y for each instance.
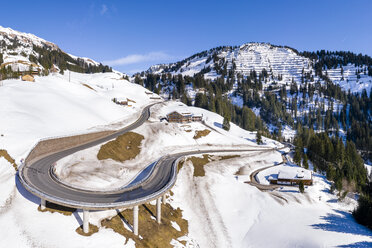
(132, 35)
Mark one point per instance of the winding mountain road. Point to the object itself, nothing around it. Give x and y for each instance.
(37, 177)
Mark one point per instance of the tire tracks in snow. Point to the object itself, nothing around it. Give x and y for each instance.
(211, 231)
(8, 202)
(213, 215)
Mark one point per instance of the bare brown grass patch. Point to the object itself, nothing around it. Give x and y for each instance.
(124, 147)
(201, 133)
(92, 229)
(180, 164)
(152, 233)
(199, 162)
(5, 154)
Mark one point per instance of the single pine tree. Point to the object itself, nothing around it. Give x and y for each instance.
(304, 162)
(258, 138)
(301, 187)
(226, 123)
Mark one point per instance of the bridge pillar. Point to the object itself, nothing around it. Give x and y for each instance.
(158, 210)
(135, 220)
(85, 221)
(42, 204)
(164, 198)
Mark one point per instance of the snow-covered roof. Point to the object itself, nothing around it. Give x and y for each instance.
(294, 173)
(185, 114)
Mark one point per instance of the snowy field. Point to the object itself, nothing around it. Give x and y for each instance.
(52, 106)
(234, 214)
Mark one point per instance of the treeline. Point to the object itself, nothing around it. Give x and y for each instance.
(241, 116)
(328, 60)
(354, 117)
(49, 57)
(363, 213)
(342, 163)
(6, 72)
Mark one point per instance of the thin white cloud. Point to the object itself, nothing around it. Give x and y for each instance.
(103, 9)
(139, 58)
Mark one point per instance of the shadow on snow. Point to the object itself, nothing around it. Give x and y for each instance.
(342, 222)
(363, 244)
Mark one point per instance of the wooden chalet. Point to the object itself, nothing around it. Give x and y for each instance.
(293, 176)
(183, 117)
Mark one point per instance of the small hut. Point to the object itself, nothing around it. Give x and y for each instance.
(28, 78)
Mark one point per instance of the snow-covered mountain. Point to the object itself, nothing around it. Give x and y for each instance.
(217, 209)
(24, 51)
(282, 64)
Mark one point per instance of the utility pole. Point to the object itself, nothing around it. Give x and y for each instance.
(69, 76)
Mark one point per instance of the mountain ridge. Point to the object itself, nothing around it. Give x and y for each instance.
(25, 52)
(284, 64)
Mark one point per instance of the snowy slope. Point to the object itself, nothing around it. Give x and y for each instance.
(53, 106)
(224, 212)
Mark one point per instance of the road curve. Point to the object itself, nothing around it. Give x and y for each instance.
(36, 177)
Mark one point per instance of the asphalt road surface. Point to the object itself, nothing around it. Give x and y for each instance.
(36, 178)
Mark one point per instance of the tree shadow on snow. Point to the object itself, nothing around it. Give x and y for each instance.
(363, 244)
(216, 124)
(290, 190)
(342, 222)
(324, 178)
(251, 140)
